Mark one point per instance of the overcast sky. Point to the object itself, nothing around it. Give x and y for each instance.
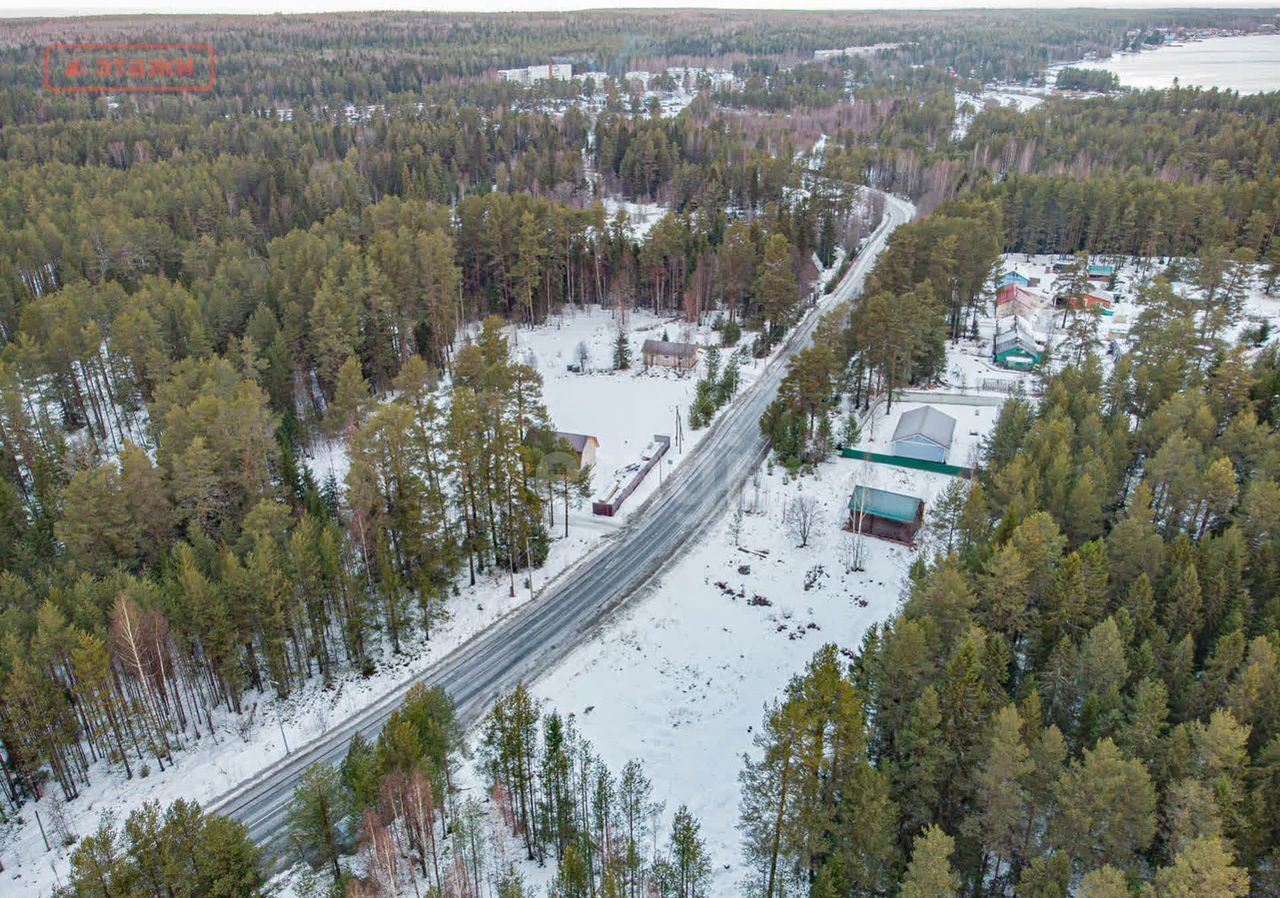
(100, 7)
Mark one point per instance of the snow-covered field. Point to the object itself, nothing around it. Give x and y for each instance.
(623, 409)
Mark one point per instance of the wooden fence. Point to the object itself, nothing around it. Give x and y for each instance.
(610, 507)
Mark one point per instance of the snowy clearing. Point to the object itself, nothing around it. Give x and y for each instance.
(640, 216)
(1020, 99)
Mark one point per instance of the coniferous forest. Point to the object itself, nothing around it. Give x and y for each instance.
(1080, 693)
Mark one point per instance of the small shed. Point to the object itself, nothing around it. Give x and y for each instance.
(1101, 272)
(885, 515)
(924, 433)
(668, 354)
(583, 444)
(1015, 348)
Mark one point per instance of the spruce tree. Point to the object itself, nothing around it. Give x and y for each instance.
(621, 350)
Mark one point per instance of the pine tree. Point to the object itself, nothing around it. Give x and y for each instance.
(1189, 812)
(737, 259)
(1144, 731)
(827, 239)
(1204, 867)
(359, 774)
(334, 331)
(930, 874)
(685, 870)
(1183, 604)
(775, 289)
(351, 400)
(1048, 876)
(1073, 283)
(946, 512)
(510, 753)
(1133, 545)
(1002, 817)
(1006, 593)
(636, 809)
(1105, 882)
(182, 851)
(316, 816)
(1106, 808)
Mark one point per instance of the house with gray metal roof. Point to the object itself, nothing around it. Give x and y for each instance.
(924, 433)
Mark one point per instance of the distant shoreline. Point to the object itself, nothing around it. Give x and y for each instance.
(1193, 64)
(106, 8)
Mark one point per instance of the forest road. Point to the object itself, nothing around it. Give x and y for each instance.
(528, 641)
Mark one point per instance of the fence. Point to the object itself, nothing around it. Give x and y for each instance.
(609, 508)
(904, 462)
(998, 385)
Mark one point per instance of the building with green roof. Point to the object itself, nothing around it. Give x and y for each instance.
(885, 515)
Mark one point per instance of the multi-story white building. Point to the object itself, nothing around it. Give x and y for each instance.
(869, 50)
(691, 76)
(553, 71)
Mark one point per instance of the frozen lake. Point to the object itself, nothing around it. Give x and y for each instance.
(1249, 64)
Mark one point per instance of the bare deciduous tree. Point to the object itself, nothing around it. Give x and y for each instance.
(856, 541)
(854, 549)
(381, 856)
(802, 513)
(420, 821)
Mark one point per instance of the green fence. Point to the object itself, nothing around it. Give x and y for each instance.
(902, 462)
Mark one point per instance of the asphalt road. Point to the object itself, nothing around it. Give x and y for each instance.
(528, 641)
